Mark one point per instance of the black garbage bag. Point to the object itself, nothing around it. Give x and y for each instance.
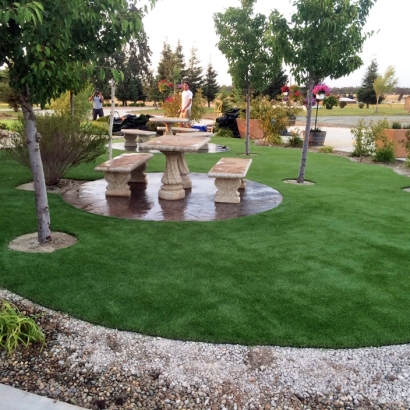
(228, 120)
(130, 121)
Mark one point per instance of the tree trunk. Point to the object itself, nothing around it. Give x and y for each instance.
(248, 117)
(377, 104)
(301, 176)
(40, 190)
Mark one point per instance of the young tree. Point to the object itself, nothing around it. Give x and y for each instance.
(44, 54)
(322, 40)
(273, 89)
(179, 61)
(194, 71)
(366, 93)
(166, 63)
(243, 41)
(210, 87)
(385, 84)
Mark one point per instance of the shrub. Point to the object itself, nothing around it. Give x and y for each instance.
(361, 105)
(295, 140)
(396, 125)
(82, 107)
(15, 329)
(225, 133)
(342, 104)
(326, 149)
(3, 126)
(64, 144)
(273, 117)
(384, 154)
(363, 140)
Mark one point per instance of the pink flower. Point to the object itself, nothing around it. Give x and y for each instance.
(321, 89)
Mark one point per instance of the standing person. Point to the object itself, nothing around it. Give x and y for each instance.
(97, 99)
(186, 104)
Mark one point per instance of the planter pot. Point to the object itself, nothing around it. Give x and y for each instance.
(317, 138)
(396, 136)
(255, 132)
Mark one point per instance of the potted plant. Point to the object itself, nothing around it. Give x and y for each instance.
(330, 101)
(293, 97)
(316, 135)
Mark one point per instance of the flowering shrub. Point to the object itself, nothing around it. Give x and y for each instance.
(165, 86)
(172, 105)
(285, 89)
(321, 89)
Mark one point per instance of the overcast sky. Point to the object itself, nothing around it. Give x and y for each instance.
(191, 22)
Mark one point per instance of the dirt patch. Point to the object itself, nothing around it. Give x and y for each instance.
(59, 240)
(63, 186)
(30, 243)
(295, 181)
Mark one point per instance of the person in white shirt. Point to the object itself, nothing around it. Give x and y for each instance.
(97, 99)
(186, 104)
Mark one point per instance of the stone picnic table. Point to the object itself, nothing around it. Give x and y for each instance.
(168, 121)
(176, 173)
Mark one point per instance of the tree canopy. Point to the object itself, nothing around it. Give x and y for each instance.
(385, 84)
(366, 92)
(210, 86)
(322, 39)
(243, 41)
(46, 45)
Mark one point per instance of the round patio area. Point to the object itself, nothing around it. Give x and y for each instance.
(198, 205)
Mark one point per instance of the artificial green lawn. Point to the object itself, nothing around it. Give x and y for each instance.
(328, 267)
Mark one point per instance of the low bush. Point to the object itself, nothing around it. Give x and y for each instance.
(16, 329)
(295, 140)
(224, 132)
(396, 125)
(326, 149)
(361, 105)
(64, 144)
(384, 154)
(363, 140)
(385, 150)
(342, 104)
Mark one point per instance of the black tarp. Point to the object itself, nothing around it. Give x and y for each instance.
(228, 120)
(130, 121)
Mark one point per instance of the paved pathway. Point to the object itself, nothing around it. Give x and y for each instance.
(15, 399)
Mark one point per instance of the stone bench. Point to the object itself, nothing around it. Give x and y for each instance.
(124, 169)
(178, 129)
(131, 135)
(229, 174)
